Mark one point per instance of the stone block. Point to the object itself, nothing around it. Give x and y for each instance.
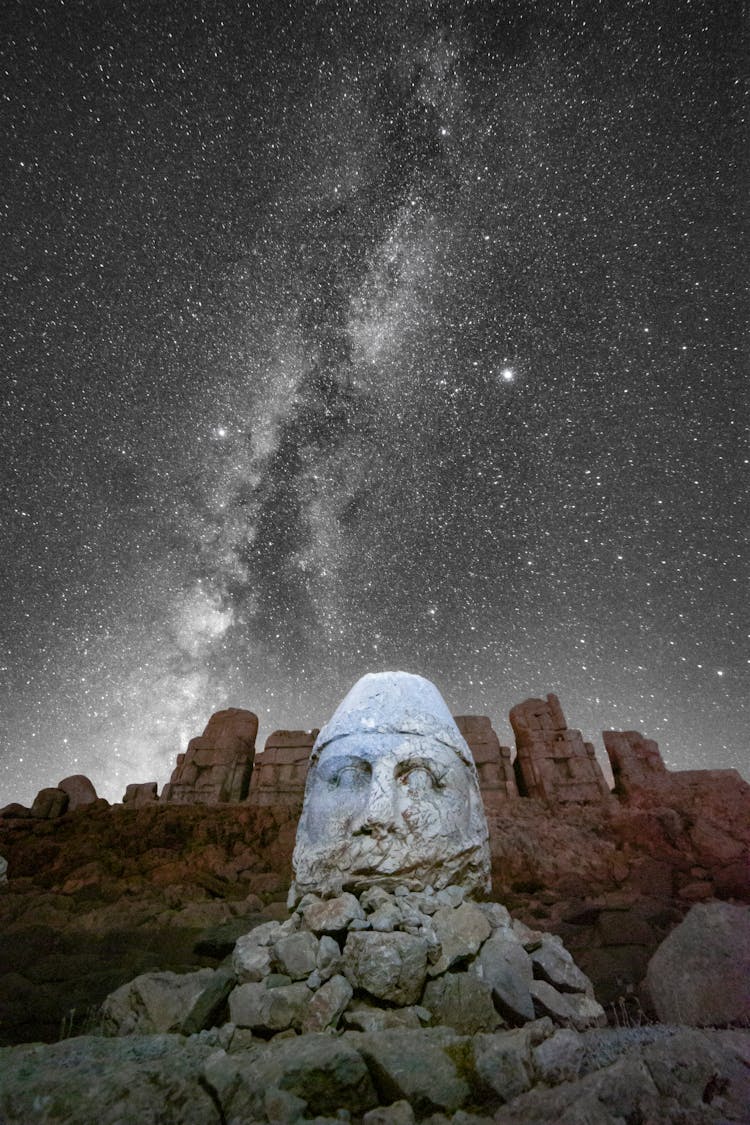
(389, 967)
(79, 789)
(700, 974)
(416, 1067)
(49, 804)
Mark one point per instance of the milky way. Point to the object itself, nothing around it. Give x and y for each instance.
(343, 337)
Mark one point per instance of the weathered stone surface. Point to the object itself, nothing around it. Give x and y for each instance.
(552, 962)
(79, 789)
(388, 966)
(49, 804)
(328, 1003)
(140, 793)
(386, 918)
(154, 1002)
(700, 974)
(497, 781)
(398, 1113)
(392, 795)
(360, 1016)
(568, 1009)
(265, 1009)
(252, 957)
(460, 932)
(503, 1063)
(151, 1080)
(327, 1073)
(553, 763)
(688, 1076)
(3, 870)
(461, 1001)
(296, 955)
(329, 957)
(559, 1058)
(414, 1066)
(216, 767)
(332, 915)
(280, 771)
(251, 962)
(504, 966)
(210, 1004)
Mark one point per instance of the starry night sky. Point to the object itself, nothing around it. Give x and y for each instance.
(348, 336)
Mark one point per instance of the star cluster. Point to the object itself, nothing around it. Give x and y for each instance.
(350, 336)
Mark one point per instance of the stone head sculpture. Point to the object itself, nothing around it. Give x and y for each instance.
(392, 796)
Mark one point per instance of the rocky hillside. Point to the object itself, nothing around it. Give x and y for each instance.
(100, 894)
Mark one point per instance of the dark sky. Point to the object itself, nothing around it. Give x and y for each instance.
(342, 337)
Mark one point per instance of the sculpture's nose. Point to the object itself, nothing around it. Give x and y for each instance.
(380, 814)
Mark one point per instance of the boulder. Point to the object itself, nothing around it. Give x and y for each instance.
(570, 1009)
(552, 962)
(157, 1002)
(267, 1010)
(252, 957)
(329, 957)
(49, 804)
(328, 1003)
(296, 955)
(559, 1058)
(460, 931)
(360, 1016)
(210, 1004)
(504, 966)
(151, 1080)
(398, 1113)
(3, 870)
(140, 793)
(79, 789)
(324, 1072)
(461, 1001)
(503, 1063)
(332, 915)
(415, 1066)
(389, 967)
(700, 974)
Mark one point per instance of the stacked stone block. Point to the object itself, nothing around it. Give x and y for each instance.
(497, 781)
(553, 763)
(216, 767)
(280, 772)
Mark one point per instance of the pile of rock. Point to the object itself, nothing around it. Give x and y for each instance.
(410, 959)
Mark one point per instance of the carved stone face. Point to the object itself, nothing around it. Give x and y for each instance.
(391, 806)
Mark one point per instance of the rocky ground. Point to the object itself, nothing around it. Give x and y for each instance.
(101, 894)
(397, 1008)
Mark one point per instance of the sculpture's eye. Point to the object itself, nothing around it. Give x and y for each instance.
(350, 777)
(418, 779)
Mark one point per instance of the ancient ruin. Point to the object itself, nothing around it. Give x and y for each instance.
(154, 938)
(216, 767)
(280, 771)
(497, 779)
(554, 763)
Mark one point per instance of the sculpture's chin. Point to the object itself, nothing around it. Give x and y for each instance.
(333, 870)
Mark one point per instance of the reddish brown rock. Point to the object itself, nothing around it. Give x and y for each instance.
(497, 781)
(49, 803)
(140, 793)
(553, 762)
(635, 760)
(79, 789)
(280, 772)
(216, 768)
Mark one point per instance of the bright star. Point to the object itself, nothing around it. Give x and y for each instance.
(508, 374)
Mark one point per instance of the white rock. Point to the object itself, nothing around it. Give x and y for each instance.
(388, 966)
